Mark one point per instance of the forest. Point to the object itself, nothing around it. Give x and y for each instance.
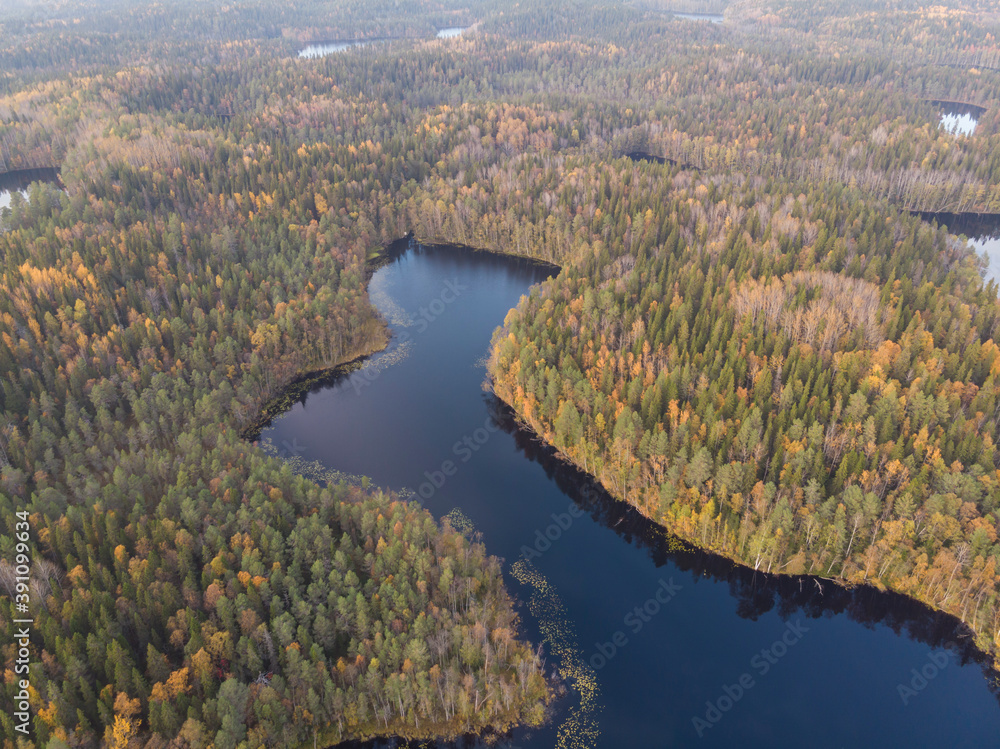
(753, 338)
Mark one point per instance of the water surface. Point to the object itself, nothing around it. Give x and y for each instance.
(981, 232)
(6, 196)
(958, 118)
(667, 637)
(989, 247)
(711, 17)
(959, 123)
(18, 182)
(322, 49)
(452, 32)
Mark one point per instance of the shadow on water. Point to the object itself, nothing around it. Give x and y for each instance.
(969, 224)
(642, 156)
(757, 593)
(981, 230)
(401, 247)
(654, 159)
(948, 106)
(20, 179)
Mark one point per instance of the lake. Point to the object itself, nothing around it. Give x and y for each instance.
(6, 195)
(18, 182)
(958, 118)
(660, 645)
(959, 123)
(982, 232)
(654, 159)
(712, 17)
(322, 49)
(643, 156)
(988, 244)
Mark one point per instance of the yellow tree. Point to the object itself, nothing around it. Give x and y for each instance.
(126, 726)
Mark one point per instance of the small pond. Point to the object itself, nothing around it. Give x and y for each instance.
(958, 118)
(20, 180)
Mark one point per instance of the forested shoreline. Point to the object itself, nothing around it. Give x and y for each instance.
(757, 346)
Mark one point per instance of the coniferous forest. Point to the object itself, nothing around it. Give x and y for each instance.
(762, 335)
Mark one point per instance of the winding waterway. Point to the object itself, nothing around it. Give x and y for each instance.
(660, 646)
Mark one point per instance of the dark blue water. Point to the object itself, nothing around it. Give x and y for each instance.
(758, 661)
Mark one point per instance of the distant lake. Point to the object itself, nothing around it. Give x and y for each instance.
(451, 32)
(322, 49)
(712, 17)
(643, 156)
